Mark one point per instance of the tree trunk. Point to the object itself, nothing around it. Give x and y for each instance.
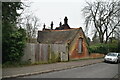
(106, 40)
(101, 37)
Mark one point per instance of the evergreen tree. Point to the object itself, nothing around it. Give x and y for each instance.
(13, 39)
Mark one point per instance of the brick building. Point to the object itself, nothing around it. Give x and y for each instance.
(73, 39)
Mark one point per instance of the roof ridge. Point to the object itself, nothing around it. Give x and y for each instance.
(61, 30)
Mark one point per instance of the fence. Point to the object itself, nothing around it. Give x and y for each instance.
(45, 52)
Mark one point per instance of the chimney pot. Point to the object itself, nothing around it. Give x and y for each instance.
(52, 25)
(44, 26)
(65, 20)
(60, 24)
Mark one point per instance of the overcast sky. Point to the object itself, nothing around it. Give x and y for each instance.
(56, 10)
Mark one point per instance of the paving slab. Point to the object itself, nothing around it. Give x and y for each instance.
(45, 68)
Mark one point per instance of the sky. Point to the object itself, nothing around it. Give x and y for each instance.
(56, 10)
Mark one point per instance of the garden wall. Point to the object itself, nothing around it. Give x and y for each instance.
(96, 55)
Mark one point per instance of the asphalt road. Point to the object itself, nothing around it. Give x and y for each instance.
(99, 70)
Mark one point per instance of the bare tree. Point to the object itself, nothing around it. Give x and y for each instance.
(95, 38)
(104, 16)
(31, 26)
(29, 22)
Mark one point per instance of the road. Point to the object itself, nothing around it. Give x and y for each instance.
(99, 70)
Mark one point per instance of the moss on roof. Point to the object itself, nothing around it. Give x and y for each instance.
(57, 36)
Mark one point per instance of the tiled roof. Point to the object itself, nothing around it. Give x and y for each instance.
(57, 36)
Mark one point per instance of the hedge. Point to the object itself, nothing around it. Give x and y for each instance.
(105, 48)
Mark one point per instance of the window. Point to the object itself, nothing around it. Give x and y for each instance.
(80, 46)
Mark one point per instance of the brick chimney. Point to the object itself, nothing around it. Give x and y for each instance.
(65, 20)
(44, 26)
(52, 25)
(60, 24)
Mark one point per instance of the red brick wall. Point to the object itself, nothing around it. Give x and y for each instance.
(96, 55)
(74, 48)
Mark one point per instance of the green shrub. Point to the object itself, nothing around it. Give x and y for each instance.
(98, 48)
(13, 48)
(118, 50)
(114, 46)
(105, 48)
